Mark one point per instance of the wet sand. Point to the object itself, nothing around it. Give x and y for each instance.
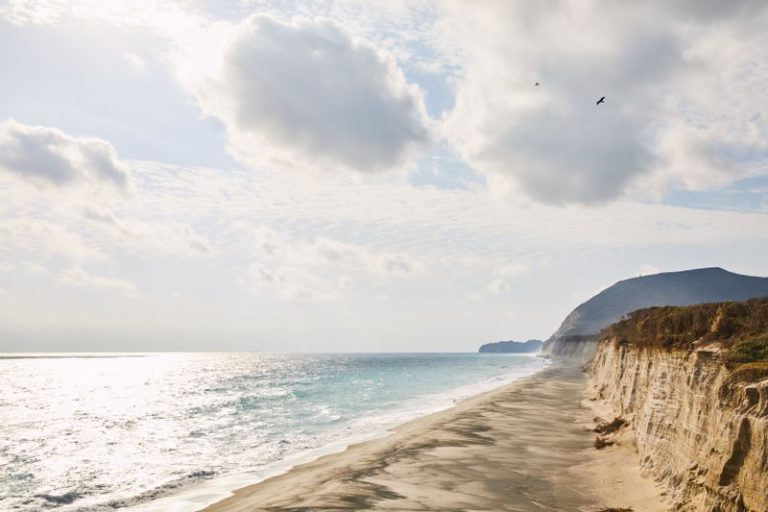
(526, 446)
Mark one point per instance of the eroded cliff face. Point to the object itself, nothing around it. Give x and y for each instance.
(700, 433)
(571, 349)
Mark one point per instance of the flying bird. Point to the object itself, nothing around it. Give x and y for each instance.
(537, 84)
(601, 100)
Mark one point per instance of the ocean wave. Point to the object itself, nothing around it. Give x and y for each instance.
(172, 414)
(160, 491)
(60, 499)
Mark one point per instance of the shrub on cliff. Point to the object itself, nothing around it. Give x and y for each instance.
(679, 326)
(749, 351)
(749, 372)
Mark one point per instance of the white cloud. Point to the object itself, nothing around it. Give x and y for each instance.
(168, 237)
(666, 69)
(334, 243)
(40, 238)
(49, 156)
(305, 94)
(513, 269)
(35, 12)
(503, 281)
(319, 270)
(399, 261)
(101, 216)
(77, 276)
(135, 62)
(499, 286)
(171, 18)
(24, 266)
(292, 283)
(353, 256)
(648, 269)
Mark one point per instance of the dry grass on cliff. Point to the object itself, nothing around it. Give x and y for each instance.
(741, 325)
(750, 372)
(748, 350)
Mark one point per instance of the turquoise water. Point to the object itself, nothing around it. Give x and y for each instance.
(99, 433)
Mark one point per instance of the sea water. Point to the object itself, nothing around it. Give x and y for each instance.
(93, 432)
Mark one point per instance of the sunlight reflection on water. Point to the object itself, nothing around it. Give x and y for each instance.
(82, 433)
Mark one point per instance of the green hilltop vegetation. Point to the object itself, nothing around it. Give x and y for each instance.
(740, 327)
(684, 288)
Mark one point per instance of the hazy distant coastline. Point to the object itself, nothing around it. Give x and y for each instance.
(512, 347)
(66, 356)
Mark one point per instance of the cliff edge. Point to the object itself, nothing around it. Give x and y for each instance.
(692, 384)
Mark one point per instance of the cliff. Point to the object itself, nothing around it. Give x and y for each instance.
(576, 338)
(512, 347)
(692, 383)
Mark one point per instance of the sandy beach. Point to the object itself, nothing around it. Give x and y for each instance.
(527, 446)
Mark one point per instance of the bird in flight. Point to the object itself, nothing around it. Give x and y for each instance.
(601, 100)
(537, 84)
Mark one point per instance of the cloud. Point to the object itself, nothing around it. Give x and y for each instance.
(353, 256)
(136, 63)
(513, 269)
(77, 276)
(292, 283)
(499, 286)
(503, 279)
(40, 238)
(100, 216)
(325, 256)
(319, 270)
(714, 9)
(166, 237)
(662, 67)
(647, 269)
(25, 267)
(305, 94)
(49, 156)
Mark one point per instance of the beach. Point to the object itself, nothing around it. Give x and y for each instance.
(190, 428)
(526, 446)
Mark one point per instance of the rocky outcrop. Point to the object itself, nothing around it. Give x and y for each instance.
(699, 429)
(512, 347)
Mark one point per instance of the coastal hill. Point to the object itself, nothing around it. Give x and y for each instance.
(512, 347)
(576, 336)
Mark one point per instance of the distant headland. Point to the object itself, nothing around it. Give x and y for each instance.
(512, 347)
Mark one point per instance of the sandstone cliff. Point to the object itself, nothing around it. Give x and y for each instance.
(699, 412)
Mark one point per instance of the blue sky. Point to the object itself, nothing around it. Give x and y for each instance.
(342, 175)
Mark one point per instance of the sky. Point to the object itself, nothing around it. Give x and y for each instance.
(346, 175)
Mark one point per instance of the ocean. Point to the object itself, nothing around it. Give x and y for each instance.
(174, 432)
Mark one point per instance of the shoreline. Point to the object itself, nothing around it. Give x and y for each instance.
(525, 445)
(205, 493)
